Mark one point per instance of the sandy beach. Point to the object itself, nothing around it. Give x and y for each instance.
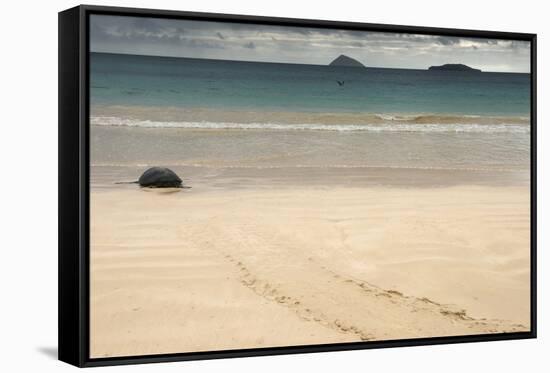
(198, 270)
(345, 186)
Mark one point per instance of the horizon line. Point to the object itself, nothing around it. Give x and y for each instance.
(304, 64)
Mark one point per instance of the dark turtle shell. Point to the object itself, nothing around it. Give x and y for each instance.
(160, 177)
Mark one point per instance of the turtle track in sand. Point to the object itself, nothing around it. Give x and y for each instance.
(279, 272)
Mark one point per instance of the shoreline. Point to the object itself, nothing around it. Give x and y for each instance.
(291, 237)
(205, 178)
(114, 115)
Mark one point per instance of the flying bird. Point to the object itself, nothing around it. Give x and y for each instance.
(340, 82)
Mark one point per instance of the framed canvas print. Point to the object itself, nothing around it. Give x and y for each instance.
(239, 186)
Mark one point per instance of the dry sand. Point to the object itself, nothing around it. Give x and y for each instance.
(194, 271)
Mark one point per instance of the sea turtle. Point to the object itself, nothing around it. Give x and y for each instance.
(158, 177)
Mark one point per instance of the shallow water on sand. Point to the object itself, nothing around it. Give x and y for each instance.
(310, 157)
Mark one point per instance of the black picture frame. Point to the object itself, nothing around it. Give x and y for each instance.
(74, 175)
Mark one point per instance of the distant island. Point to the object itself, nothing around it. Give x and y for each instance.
(343, 60)
(454, 67)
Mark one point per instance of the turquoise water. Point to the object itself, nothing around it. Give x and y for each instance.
(224, 114)
(187, 83)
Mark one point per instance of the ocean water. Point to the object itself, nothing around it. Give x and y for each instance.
(228, 114)
(181, 82)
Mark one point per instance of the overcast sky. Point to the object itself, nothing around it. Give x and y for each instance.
(245, 42)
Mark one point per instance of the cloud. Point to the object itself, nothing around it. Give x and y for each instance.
(445, 40)
(240, 41)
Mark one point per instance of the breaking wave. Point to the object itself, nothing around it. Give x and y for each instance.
(385, 123)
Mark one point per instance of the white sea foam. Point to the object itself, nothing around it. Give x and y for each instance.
(389, 126)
